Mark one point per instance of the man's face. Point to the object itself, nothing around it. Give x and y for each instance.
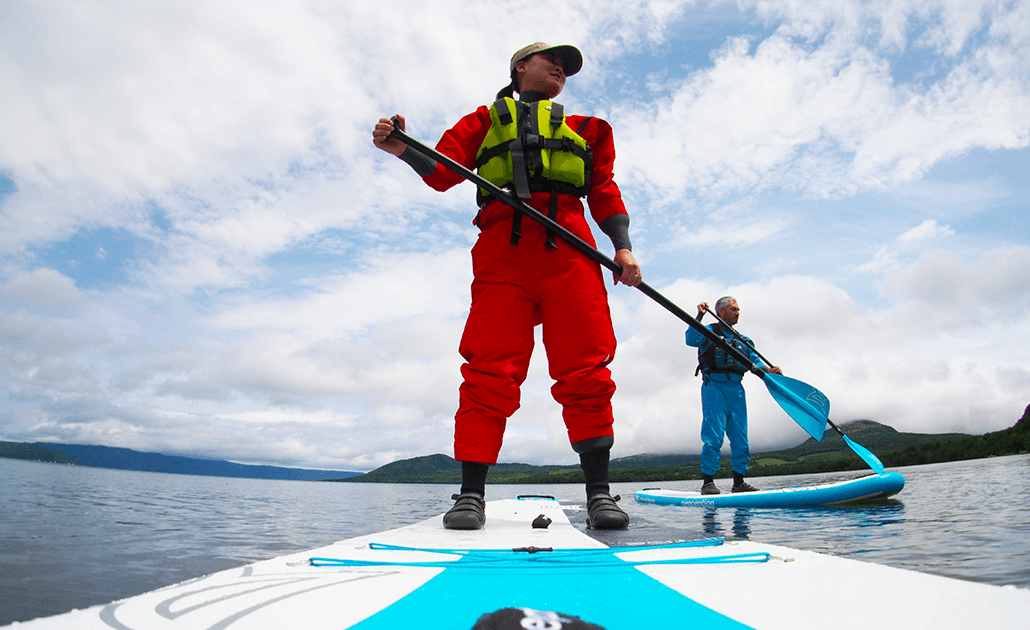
(731, 313)
(543, 72)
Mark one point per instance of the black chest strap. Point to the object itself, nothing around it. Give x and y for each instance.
(557, 115)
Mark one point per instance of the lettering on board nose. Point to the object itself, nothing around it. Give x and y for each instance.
(543, 620)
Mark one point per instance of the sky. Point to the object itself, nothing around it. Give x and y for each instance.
(202, 253)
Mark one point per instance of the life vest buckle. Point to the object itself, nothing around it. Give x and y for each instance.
(532, 141)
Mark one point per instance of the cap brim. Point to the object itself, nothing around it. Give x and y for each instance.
(571, 58)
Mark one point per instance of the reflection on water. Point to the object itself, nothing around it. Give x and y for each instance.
(713, 526)
(813, 522)
(72, 537)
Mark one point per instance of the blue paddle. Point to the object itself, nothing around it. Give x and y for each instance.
(808, 406)
(814, 424)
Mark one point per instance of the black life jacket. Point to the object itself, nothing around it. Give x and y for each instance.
(715, 360)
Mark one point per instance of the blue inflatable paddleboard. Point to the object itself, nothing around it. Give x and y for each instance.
(837, 493)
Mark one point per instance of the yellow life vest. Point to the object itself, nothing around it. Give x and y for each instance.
(531, 148)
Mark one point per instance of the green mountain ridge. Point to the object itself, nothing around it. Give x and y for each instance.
(36, 453)
(831, 454)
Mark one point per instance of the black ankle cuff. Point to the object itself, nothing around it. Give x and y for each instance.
(473, 477)
(595, 472)
(603, 443)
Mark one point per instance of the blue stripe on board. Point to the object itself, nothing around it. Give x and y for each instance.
(611, 597)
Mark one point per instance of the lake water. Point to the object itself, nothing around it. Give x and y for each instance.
(72, 537)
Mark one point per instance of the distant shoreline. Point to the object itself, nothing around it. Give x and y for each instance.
(831, 454)
(128, 459)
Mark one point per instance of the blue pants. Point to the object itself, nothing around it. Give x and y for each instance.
(725, 415)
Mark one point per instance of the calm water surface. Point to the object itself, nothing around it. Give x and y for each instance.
(72, 537)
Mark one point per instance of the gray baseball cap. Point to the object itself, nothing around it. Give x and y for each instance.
(571, 58)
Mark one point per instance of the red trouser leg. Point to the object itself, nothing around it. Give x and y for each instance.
(517, 287)
(496, 346)
(580, 344)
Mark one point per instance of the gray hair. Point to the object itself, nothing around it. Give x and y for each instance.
(723, 302)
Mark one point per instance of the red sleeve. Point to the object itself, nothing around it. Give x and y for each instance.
(460, 143)
(605, 198)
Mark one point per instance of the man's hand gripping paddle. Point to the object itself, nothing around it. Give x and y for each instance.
(795, 397)
(805, 404)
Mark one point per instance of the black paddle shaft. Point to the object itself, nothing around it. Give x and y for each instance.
(582, 246)
(739, 336)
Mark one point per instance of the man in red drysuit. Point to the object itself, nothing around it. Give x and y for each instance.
(524, 277)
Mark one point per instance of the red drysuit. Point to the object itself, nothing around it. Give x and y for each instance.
(516, 287)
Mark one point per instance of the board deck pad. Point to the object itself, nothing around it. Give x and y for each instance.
(424, 576)
(597, 587)
(598, 584)
(869, 488)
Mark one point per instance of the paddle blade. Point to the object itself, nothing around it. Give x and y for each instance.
(866, 455)
(802, 402)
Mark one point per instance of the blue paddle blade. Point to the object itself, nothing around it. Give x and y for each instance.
(810, 408)
(802, 402)
(866, 455)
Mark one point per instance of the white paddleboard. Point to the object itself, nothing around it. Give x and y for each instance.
(423, 576)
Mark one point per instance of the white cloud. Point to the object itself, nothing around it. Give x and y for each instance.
(942, 288)
(144, 97)
(884, 258)
(729, 226)
(928, 229)
(42, 288)
(892, 255)
(815, 107)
